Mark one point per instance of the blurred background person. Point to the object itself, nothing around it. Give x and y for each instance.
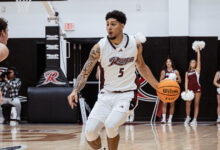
(170, 72)
(10, 85)
(216, 82)
(192, 83)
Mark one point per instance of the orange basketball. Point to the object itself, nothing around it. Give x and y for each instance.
(168, 91)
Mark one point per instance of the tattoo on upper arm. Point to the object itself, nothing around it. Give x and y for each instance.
(87, 69)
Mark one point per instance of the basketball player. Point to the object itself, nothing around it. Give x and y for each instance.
(216, 82)
(119, 55)
(192, 83)
(3, 42)
(3, 39)
(168, 69)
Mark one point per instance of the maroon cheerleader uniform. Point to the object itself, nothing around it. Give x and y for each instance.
(193, 81)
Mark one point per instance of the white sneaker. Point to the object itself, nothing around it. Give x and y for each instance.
(163, 121)
(218, 120)
(187, 120)
(193, 123)
(169, 121)
(1, 119)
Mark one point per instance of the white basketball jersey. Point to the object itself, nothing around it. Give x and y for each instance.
(118, 64)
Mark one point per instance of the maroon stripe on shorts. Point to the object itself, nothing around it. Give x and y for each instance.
(137, 82)
(102, 78)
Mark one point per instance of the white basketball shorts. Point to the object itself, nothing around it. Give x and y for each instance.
(110, 101)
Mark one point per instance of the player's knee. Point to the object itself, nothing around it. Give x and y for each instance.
(111, 129)
(91, 133)
(109, 124)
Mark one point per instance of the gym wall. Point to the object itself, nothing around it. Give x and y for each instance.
(29, 59)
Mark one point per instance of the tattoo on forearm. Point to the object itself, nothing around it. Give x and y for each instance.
(87, 69)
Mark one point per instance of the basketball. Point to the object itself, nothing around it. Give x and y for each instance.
(168, 91)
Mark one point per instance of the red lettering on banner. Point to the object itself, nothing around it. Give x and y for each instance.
(50, 76)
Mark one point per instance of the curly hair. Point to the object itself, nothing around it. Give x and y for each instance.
(118, 15)
(3, 24)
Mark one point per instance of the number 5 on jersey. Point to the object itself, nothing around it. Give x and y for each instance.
(121, 72)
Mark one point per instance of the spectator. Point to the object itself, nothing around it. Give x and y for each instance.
(10, 85)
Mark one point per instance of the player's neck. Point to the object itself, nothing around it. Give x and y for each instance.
(118, 39)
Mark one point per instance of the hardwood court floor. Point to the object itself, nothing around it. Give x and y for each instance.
(138, 136)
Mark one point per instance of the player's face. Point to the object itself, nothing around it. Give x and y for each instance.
(4, 36)
(193, 64)
(114, 28)
(169, 63)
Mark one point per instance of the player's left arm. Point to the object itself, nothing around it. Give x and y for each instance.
(178, 76)
(143, 69)
(198, 68)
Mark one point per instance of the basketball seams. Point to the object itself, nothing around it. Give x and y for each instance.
(167, 94)
(168, 86)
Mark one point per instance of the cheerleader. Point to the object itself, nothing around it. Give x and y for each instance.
(170, 72)
(192, 83)
(216, 82)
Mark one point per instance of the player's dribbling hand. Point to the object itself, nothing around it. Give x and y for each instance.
(73, 97)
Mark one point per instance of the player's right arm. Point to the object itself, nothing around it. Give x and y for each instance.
(186, 82)
(83, 76)
(216, 79)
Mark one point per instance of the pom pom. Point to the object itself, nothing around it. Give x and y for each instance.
(187, 96)
(218, 90)
(198, 45)
(172, 76)
(139, 37)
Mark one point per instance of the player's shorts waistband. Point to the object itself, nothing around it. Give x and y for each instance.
(123, 91)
